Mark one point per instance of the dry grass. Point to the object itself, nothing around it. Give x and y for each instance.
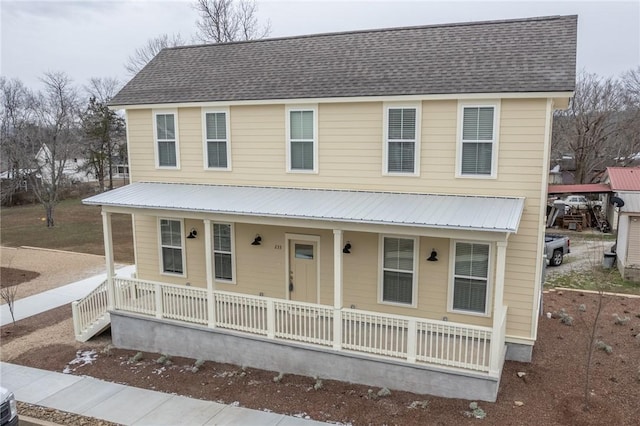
(78, 228)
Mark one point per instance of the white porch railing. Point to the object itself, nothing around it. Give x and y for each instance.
(400, 337)
(88, 310)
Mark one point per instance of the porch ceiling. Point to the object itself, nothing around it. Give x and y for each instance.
(477, 213)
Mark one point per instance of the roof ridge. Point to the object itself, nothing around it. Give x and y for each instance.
(377, 30)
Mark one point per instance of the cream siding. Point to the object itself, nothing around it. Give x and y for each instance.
(350, 150)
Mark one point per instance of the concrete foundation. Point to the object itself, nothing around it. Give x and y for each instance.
(130, 331)
(519, 352)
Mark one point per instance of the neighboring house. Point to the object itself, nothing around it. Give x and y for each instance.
(74, 169)
(625, 185)
(364, 206)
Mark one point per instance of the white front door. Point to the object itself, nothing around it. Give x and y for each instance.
(303, 271)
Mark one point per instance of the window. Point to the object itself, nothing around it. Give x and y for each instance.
(223, 251)
(166, 140)
(216, 140)
(470, 277)
(478, 141)
(401, 143)
(171, 244)
(398, 270)
(302, 147)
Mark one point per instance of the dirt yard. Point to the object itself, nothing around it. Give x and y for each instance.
(550, 391)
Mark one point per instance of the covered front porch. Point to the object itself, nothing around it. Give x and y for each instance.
(336, 329)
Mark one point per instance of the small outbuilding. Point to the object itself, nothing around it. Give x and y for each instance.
(624, 209)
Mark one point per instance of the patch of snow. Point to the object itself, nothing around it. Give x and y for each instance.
(302, 416)
(235, 404)
(82, 358)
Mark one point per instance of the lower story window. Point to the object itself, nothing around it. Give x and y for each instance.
(470, 279)
(398, 270)
(171, 242)
(222, 251)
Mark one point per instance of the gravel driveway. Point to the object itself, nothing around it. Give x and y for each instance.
(586, 253)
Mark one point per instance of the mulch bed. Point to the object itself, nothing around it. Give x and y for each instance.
(11, 276)
(551, 391)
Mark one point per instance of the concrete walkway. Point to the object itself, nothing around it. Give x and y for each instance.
(111, 401)
(128, 405)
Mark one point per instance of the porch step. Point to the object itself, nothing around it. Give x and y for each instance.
(95, 328)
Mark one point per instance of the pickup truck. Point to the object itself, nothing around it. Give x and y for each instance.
(555, 247)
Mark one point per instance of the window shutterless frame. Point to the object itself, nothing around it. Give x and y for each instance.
(398, 268)
(216, 139)
(171, 247)
(224, 248)
(165, 139)
(471, 269)
(477, 139)
(302, 139)
(401, 140)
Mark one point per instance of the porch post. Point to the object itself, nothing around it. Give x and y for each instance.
(108, 255)
(497, 336)
(208, 244)
(337, 289)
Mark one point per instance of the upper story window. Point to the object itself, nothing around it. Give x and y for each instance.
(216, 134)
(166, 139)
(171, 243)
(478, 141)
(398, 270)
(223, 252)
(401, 140)
(471, 277)
(302, 146)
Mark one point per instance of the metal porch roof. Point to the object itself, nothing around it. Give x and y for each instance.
(497, 214)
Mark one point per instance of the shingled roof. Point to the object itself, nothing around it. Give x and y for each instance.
(523, 55)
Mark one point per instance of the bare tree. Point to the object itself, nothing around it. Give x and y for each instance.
(15, 117)
(103, 129)
(631, 84)
(146, 53)
(56, 133)
(225, 20)
(630, 134)
(587, 128)
(8, 294)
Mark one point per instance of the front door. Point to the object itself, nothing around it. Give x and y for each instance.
(303, 271)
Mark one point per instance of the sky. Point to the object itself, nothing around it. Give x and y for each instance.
(87, 38)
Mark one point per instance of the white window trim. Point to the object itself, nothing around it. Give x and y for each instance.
(385, 138)
(157, 112)
(182, 248)
(233, 253)
(496, 136)
(288, 110)
(452, 271)
(416, 253)
(205, 151)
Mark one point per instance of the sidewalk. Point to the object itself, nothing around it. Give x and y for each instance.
(128, 405)
(111, 401)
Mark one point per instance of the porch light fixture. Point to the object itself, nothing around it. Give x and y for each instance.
(433, 257)
(256, 240)
(347, 248)
(192, 234)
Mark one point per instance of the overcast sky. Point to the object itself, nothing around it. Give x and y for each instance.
(87, 38)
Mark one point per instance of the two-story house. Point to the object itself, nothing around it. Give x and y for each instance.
(363, 206)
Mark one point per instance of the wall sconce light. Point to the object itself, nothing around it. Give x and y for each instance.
(433, 257)
(347, 248)
(256, 240)
(192, 234)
